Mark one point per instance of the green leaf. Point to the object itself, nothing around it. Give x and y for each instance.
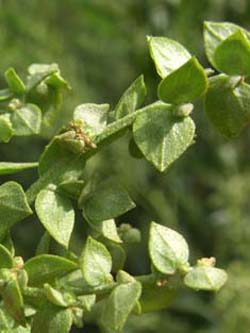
(5, 94)
(107, 229)
(86, 302)
(118, 255)
(233, 54)
(132, 98)
(52, 319)
(57, 215)
(95, 263)
(119, 305)
(14, 81)
(93, 115)
(45, 268)
(13, 206)
(6, 129)
(6, 259)
(44, 244)
(205, 278)
(167, 54)
(106, 202)
(39, 73)
(8, 168)
(55, 80)
(215, 33)
(54, 296)
(71, 188)
(26, 120)
(185, 84)
(13, 301)
(227, 106)
(161, 137)
(168, 250)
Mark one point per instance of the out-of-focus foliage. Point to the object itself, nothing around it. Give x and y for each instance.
(101, 48)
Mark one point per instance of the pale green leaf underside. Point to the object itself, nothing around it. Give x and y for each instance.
(26, 120)
(167, 248)
(57, 215)
(205, 278)
(161, 137)
(95, 262)
(167, 54)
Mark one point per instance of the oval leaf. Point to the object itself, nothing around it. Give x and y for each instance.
(233, 54)
(93, 115)
(205, 278)
(119, 305)
(106, 202)
(6, 259)
(185, 84)
(215, 33)
(52, 319)
(132, 98)
(6, 129)
(167, 54)
(168, 250)
(26, 120)
(107, 229)
(45, 268)
(95, 263)
(161, 137)
(57, 215)
(13, 206)
(227, 107)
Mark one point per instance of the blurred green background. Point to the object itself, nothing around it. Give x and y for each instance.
(101, 48)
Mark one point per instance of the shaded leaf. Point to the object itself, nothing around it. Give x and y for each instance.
(13, 206)
(8, 168)
(215, 33)
(227, 106)
(26, 120)
(6, 259)
(106, 202)
(45, 268)
(107, 229)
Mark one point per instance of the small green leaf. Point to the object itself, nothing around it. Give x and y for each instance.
(57, 215)
(26, 120)
(45, 268)
(233, 54)
(132, 98)
(6, 259)
(168, 250)
(55, 80)
(6, 129)
(14, 81)
(93, 115)
(95, 263)
(86, 302)
(227, 106)
(54, 296)
(39, 73)
(8, 168)
(119, 305)
(167, 54)
(13, 206)
(71, 188)
(205, 278)
(5, 94)
(185, 84)
(118, 255)
(52, 319)
(161, 137)
(107, 229)
(106, 202)
(44, 244)
(13, 301)
(215, 33)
